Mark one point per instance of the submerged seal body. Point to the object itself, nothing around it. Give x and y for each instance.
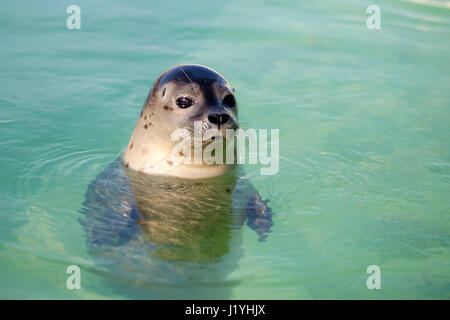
(144, 206)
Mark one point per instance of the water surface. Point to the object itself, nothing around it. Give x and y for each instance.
(364, 138)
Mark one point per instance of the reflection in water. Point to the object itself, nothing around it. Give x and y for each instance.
(165, 237)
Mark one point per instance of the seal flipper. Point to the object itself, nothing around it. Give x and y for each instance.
(110, 211)
(259, 216)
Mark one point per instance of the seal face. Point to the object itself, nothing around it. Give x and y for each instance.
(180, 96)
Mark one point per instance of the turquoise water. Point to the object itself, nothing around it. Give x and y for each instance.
(363, 116)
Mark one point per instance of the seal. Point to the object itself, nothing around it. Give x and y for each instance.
(182, 95)
(181, 215)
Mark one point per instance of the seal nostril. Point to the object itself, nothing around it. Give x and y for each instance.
(224, 118)
(214, 118)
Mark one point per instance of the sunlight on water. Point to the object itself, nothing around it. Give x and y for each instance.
(364, 170)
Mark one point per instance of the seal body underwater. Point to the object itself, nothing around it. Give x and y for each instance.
(152, 218)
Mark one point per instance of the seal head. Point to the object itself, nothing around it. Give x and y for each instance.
(181, 96)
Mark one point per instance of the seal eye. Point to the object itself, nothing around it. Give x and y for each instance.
(229, 101)
(184, 102)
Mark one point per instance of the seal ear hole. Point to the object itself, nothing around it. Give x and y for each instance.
(163, 92)
(229, 100)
